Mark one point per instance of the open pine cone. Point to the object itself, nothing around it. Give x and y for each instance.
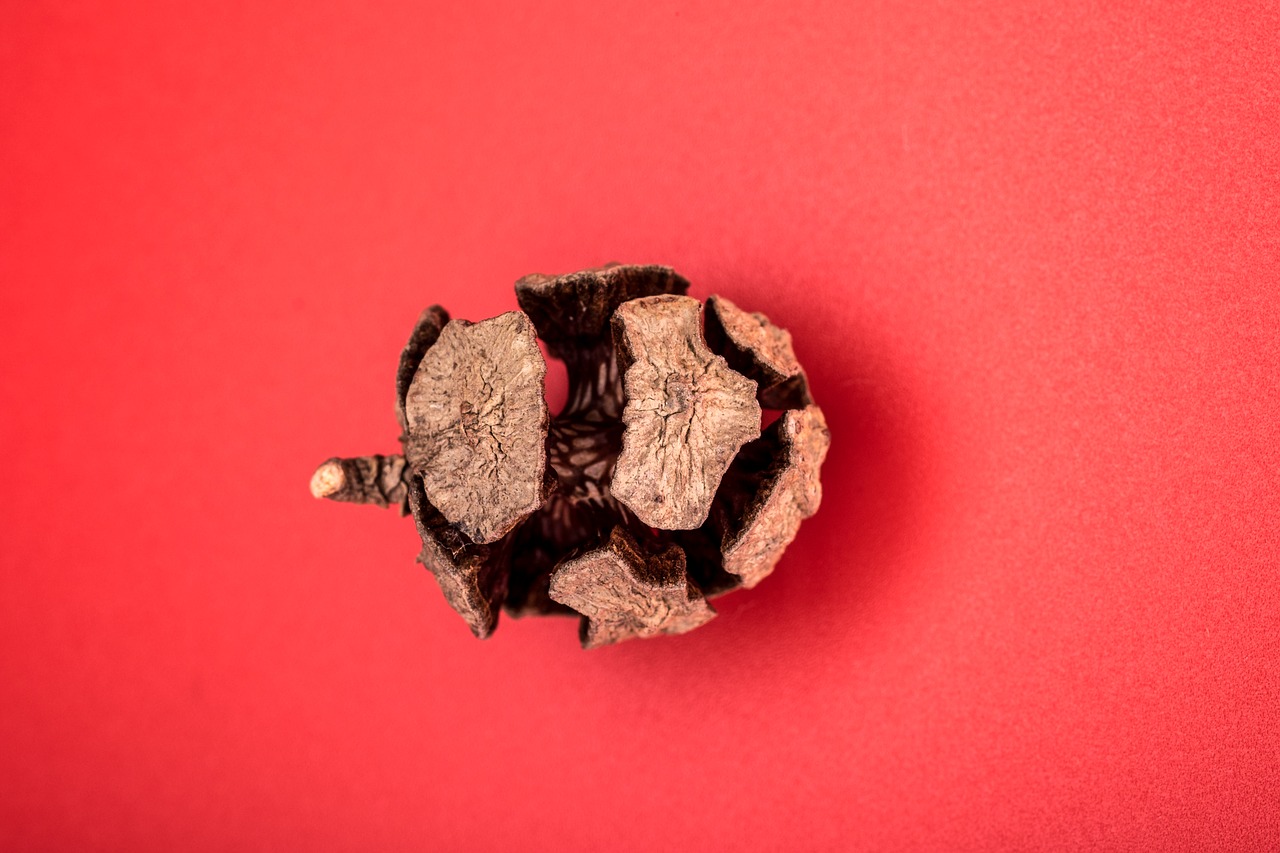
(652, 490)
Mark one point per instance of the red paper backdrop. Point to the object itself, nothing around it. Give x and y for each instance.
(1029, 255)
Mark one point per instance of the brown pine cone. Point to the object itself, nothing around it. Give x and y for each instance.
(651, 490)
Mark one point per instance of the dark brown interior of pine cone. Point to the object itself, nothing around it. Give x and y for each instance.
(517, 509)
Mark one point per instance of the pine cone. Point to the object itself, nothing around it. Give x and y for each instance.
(652, 490)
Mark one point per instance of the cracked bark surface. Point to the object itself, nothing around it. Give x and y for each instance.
(426, 332)
(569, 310)
(650, 490)
(686, 414)
(758, 349)
(623, 592)
(754, 538)
(472, 577)
(477, 417)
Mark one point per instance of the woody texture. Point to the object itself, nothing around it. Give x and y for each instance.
(652, 490)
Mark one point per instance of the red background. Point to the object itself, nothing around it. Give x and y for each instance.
(1029, 255)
